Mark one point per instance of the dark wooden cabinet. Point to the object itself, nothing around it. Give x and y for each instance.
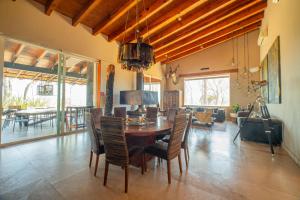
(172, 99)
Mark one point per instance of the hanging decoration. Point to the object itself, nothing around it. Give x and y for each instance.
(233, 53)
(246, 72)
(136, 56)
(44, 88)
(172, 73)
(236, 61)
(248, 65)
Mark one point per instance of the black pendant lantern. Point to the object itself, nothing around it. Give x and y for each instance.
(137, 56)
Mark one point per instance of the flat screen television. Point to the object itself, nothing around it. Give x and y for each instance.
(138, 97)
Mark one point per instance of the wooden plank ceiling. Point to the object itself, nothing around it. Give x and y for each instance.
(175, 28)
(31, 62)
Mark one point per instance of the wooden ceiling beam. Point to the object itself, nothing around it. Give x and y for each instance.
(41, 70)
(36, 76)
(228, 14)
(85, 11)
(73, 82)
(50, 6)
(115, 16)
(53, 61)
(19, 73)
(205, 10)
(185, 47)
(233, 22)
(225, 71)
(38, 58)
(143, 16)
(52, 78)
(77, 65)
(217, 41)
(84, 70)
(182, 8)
(17, 53)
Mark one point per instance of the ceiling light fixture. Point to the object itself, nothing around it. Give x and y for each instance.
(136, 56)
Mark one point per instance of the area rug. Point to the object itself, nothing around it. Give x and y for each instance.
(219, 126)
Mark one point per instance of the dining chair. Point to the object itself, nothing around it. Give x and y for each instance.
(8, 117)
(181, 111)
(204, 119)
(96, 113)
(172, 112)
(115, 145)
(184, 143)
(120, 112)
(97, 146)
(22, 120)
(171, 150)
(151, 113)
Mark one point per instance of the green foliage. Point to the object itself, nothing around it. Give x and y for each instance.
(19, 101)
(10, 100)
(235, 108)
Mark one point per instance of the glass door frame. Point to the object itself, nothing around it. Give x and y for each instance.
(1, 82)
(61, 87)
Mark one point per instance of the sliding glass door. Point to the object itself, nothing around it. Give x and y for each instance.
(77, 92)
(44, 92)
(29, 92)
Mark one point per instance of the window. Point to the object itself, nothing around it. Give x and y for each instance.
(211, 91)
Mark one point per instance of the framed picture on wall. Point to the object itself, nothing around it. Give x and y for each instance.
(264, 76)
(274, 73)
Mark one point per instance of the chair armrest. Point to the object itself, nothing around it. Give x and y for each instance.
(242, 114)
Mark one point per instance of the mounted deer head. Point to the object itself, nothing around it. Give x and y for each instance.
(173, 74)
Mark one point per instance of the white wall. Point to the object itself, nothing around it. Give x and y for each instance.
(283, 19)
(218, 58)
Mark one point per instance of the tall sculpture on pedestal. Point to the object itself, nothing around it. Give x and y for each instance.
(109, 89)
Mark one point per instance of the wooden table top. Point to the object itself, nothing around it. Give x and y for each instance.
(36, 111)
(161, 125)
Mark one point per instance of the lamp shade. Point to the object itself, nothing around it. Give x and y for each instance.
(136, 56)
(138, 97)
(254, 69)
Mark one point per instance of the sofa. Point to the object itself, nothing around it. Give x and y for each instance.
(218, 114)
(253, 130)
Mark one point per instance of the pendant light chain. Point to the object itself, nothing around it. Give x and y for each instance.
(248, 62)
(237, 59)
(244, 54)
(126, 21)
(148, 37)
(248, 77)
(233, 53)
(137, 19)
(136, 56)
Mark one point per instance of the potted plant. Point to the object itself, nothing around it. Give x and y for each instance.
(234, 109)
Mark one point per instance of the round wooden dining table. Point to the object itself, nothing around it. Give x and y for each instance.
(159, 126)
(141, 136)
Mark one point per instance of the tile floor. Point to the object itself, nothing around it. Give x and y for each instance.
(57, 168)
